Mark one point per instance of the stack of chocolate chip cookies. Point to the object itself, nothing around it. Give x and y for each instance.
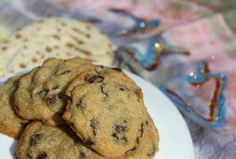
(73, 109)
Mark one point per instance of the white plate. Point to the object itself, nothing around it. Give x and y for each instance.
(175, 140)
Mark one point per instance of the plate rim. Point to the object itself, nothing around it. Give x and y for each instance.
(136, 79)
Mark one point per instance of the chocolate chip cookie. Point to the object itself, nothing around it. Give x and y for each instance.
(42, 96)
(40, 142)
(106, 110)
(25, 105)
(10, 123)
(45, 142)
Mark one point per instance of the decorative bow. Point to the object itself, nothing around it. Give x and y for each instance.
(140, 26)
(156, 48)
(216, 105)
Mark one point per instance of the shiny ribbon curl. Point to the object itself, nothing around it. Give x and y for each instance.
(140, 26)
(217, 109)
(156, 48)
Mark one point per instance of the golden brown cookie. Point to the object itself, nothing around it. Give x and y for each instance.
(10, 123)
(42, 96)
(40, 141)
(107, 111)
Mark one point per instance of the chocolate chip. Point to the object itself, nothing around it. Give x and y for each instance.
(51, 100)
(94, 79)
(140, 133)
(55, 87)
(81, 105)
(94, 124)
(141, 130)
(117, 69)
(122, 87)
(137, 140)
(103, 90)
(118, 133)
(115, 136)
(123, 139)
(94, 133)
(89, 142)
(68, 99)
(132, 149)
(42, 155)
(120, 128)
(82, 155)
(63, 97)
(35, 139)
(28, 156)
(65, 72)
